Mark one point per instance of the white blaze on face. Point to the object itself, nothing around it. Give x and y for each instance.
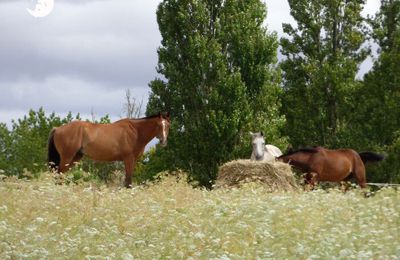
(164, 131)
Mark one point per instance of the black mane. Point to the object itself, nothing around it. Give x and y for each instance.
(301, 150)
(152, 116)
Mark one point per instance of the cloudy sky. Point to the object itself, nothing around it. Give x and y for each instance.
(86, 53)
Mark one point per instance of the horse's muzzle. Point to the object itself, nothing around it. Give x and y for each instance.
(259, 157)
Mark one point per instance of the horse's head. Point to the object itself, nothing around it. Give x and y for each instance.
(258, 144)
(163, 128)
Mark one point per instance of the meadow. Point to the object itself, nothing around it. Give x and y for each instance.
(172, 220)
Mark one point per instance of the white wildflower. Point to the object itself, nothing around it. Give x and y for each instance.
(199, 235)
(127, 256)
(345, 253)
(39, 219)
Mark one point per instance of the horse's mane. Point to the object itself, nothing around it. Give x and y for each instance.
(301, 150)
(163, 115)
(141, 118)
(147, 117)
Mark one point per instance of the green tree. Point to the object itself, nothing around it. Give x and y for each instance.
(219, 82)
(322, 57)
(5, 144)
(380, 95)
(379, 98)
(25, 145)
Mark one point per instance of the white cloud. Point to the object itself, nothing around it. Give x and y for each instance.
(100, 41)
(85, 54)
(61, 94)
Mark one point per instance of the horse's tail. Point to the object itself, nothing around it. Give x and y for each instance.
(53, 157)
(371, 157)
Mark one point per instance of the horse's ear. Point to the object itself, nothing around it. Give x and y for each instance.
(159, 114)
(167, 115)
(262, 133)
(251, 133)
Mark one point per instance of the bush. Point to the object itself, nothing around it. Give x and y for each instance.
(387, 171)
(23, 148)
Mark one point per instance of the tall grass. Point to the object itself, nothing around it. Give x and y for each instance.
(171, 220)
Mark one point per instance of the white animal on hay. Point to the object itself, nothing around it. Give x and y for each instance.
(261, 151)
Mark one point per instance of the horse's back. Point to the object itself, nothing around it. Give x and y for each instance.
(102, 142)
(337, 153)
(68, 138)
(338, 164)
(71, 129)
(336, 156)
(90, 130)
(273, 150)
(344, 154)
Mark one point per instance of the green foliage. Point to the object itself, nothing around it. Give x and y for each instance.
(25, 145)
(378, 110)
(386, 24)
(151, 163)
(322, 58)
(218, 62)
(5, 144)
(23, 148)
(387, 171)
(380, 94)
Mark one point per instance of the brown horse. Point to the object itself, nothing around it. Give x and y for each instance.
(322, 164)
(123, 140)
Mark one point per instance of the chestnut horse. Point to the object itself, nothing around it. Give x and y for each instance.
(123, 140)
(322, 164)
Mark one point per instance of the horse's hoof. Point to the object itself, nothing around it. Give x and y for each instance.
(129, 186)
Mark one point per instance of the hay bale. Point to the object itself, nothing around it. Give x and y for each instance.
(275, 176)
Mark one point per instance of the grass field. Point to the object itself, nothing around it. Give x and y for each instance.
(171, 220)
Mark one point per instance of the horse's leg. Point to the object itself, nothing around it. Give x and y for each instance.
(129, 166)
(344, 186)
(359, 173)
(310, 180)
(314, 179)
(307, 181)
(68, 159)
(65, 163)
(78, 156)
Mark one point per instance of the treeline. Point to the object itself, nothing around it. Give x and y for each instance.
(221, 79)
(23, 147)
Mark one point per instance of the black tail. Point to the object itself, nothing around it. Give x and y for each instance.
(53, 157)
(371, 157)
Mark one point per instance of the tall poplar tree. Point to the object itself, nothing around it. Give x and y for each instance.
(379, 98)
(380, 95)
(323, 54)
(219, 81)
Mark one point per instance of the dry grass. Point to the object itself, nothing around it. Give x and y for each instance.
(274, 176)
(171, 220)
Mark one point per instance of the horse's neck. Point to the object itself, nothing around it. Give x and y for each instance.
(300, 157)
(146, 129)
